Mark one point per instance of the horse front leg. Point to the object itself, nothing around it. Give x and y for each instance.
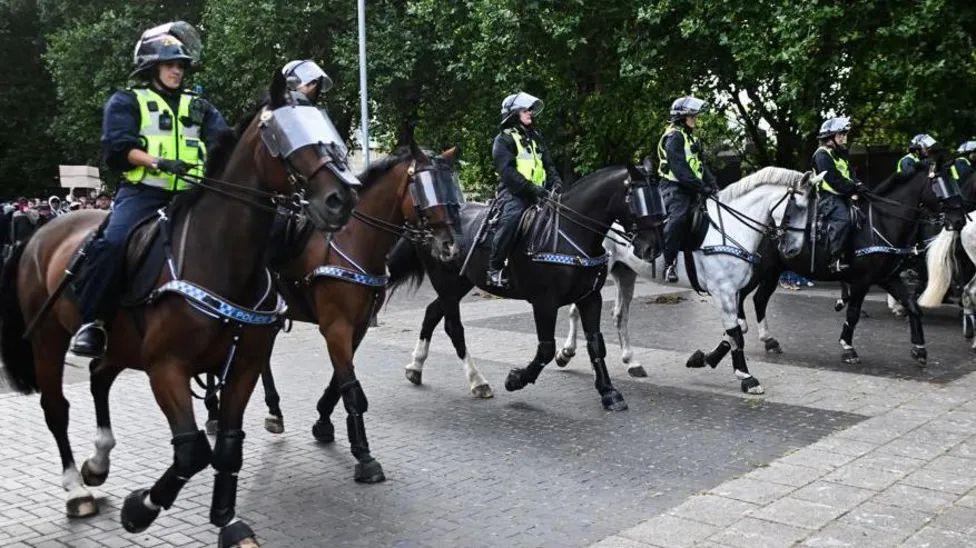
(94, 471)
(761, 301)
(339, 336)
(275, 421)
(170, 384)
(626, 280)
(726, 298)
(857, 294)
(545, 327)
(455, 330)
(432, 316)
(568, 351)
(897, 288)
(590, 310)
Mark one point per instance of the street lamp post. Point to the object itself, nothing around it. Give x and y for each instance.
(363, 94)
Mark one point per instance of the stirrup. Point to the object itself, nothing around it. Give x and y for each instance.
(837, 266)
(497, 278)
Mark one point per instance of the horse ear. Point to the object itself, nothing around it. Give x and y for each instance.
(818, 177)
(451, 154)
(277, 90)
(648, 165)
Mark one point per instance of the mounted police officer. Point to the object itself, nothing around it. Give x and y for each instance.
(962, 167)
(155, 132)
(684, 177)
(527, 173)
(917, 157)
(838, 187)
(306, 77)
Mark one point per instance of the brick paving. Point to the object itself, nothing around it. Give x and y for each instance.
(829, 457)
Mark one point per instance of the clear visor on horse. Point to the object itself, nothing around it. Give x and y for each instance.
(292, 127)
(945, 189)
(646, 201)
(436, 187)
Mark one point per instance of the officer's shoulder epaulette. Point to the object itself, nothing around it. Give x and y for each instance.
(190, 92)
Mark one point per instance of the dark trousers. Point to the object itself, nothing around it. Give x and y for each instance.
(679, 203)
(106, 254)
(512, 208)
(835, 213)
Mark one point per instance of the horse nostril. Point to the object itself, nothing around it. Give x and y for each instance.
(333, 201)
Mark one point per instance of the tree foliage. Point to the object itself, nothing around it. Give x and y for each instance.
(607, 71)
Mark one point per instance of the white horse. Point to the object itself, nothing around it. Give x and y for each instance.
(942, 266)
(723, 264)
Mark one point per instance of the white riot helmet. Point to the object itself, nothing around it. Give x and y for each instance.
(683, 107)
(303, 72)
(967, 148)
(920, 141)
(517, 102)
(176, 41)
(834, 126)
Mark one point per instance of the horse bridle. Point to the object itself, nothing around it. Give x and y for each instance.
(773, 232)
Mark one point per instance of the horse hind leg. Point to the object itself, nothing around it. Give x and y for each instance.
(626, 279)
(748, 383)
(432, 316)
(275, 421)
(568, 351)
(94, 471)
(477, 384)
(545, 328)
(610, 397)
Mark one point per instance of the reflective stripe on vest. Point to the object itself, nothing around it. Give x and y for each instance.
(954, 171)
(528, 161)
(694, 162)
(915, 159)
(176, 142)
(842, 167)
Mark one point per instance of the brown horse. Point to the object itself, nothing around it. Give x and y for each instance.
(225, 230)
(339, 283)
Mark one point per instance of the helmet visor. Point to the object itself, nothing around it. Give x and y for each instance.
(306, 72)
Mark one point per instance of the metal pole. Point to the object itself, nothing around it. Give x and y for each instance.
(363, 94)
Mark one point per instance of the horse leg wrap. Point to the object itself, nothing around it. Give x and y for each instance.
(739, 362)
(716, 356)
(598, 351)
(595, 345)
(191, 453)
(847, 334)
(735, 335)
(356, 405)
(227, 458)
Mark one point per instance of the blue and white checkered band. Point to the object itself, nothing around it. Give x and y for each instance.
(888, 250)
(733, 251)
(570, 260)
(212, 305)
(347, 275)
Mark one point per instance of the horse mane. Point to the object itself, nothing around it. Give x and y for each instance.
(895, 180)
(771, 175)
(380, 167)
(590, 179)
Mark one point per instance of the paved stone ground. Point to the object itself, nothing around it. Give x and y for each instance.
(829, 457)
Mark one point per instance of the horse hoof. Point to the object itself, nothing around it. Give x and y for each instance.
(839, 305)
(564, 356)
(636, 371)
(850, 357)
(369, 472)
(613, 401)
(921, 356)
(136, 517)
(515, 380)
(212, 427)
(482, 391)
(413, 375)
(773, 347)
(81, 506)
(751, 386)
(237, 534)
(90, 477)
(697, 360)
(274, 424)
(323, 431)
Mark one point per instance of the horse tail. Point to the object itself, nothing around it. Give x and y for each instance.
(405, 266)
(940, 261)
(16, 352)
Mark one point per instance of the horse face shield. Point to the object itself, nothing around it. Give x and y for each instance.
(790, 230)
(647, 210)
(437, 196)
(645, 200)
(950, 199)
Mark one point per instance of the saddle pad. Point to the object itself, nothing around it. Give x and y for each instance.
(697, 228)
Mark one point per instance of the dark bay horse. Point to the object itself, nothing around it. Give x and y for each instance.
(884, 235)
(222, 237)
(339, 283)
(573, 273)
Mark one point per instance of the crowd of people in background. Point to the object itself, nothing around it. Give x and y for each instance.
(20, 217)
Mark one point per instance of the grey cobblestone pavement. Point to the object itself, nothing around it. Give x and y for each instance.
(831, 456)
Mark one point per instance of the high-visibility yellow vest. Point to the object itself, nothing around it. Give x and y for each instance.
(954, 171)
(694, 162)
(528, 160)
(166, 136)
(914, 158)
(842, 167)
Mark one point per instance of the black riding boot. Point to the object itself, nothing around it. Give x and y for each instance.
(89, 341)
(671, 272)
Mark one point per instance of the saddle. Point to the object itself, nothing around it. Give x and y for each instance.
(538, 224)
(697, 227)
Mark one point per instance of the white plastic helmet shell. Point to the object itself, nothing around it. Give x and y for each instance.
(967, 147)
(923, 140)
(521, 101)
(834, 126)
(686, 106)
(301, 72)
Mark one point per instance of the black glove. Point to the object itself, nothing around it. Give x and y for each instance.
(537, 192)
(176, 167)
(557, 188)
(709, 190)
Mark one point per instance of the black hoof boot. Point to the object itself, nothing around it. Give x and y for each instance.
(92, 479)
(323, 431)
(518, 378)
(274, 424)
(750, 385)
(236, 534)
(921, 356)
(772, 346)
(637, 371)
(414, 376)
(564, 355)
(613, 400)
(850, 357)
(968, 325)
(697, 360)
(135, 517)
(369, 471)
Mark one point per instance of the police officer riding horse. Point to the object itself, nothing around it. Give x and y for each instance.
(838, 188)
(527, 173)
(685, 179)
(155, 132)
